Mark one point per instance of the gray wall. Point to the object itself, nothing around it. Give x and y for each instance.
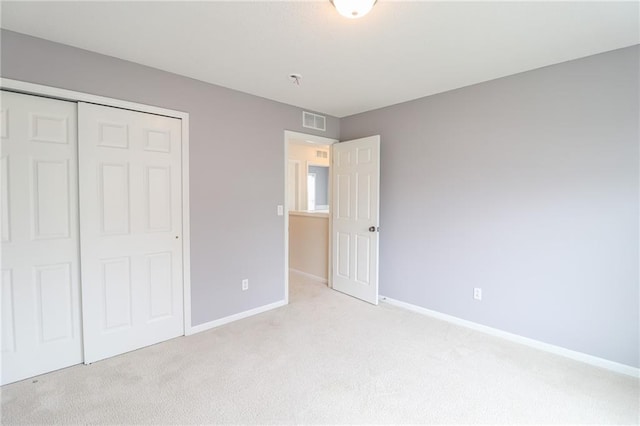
(525, 186)
(234, 137)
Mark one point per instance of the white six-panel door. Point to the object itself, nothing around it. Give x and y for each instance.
(131, 220)
(355, 214)
(40, 305)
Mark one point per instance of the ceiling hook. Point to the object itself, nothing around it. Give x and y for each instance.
(295, 79)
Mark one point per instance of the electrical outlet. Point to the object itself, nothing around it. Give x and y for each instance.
(245, 284)
(477, 293)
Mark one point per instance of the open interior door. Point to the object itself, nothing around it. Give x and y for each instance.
(355, 213)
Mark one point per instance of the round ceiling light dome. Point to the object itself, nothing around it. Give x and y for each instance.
(353, 8)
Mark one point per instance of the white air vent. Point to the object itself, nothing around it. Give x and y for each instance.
(313, 121)
(321, 154)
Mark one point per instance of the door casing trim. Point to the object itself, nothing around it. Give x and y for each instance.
(319, 140)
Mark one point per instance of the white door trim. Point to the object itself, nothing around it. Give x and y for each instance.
(298, 188)
(72, 95)
(320, 140)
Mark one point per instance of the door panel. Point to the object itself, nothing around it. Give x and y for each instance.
(50, 213)
(55, 308)
(363, 200)
(131, 223)
(115, 303)
(159, 284)
(49, 128)
(356, 186)
(158, 202)
(8, 321)
(40, 261)
(363, 258)
(343, 254)
(113, 198)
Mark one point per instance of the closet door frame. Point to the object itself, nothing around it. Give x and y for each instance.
(73, 96)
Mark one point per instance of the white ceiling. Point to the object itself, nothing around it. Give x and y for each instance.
(400, 51)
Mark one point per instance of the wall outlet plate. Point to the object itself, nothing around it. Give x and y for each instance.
(477, 293)
(245, 284)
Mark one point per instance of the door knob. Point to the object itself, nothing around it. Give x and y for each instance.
(372, 229)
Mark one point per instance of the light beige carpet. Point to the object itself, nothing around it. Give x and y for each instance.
(328, 358)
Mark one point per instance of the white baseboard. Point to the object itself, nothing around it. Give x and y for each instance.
(557, 350)
(235, 317)
(308, 275)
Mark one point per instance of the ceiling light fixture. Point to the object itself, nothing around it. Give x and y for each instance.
(353, 8)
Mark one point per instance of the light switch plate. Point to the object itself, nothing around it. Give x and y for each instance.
(280, 210)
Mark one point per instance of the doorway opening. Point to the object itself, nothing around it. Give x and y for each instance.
(308, 207)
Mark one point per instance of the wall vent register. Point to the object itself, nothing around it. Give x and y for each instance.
(314, 121)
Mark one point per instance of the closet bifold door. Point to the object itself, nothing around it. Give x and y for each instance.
(40, 297)
(130, 226)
